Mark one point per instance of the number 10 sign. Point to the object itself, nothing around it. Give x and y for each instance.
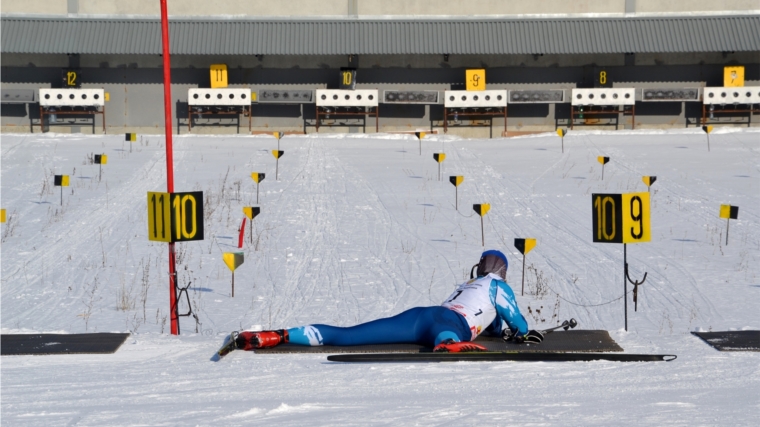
(621, 218)
(175, 217)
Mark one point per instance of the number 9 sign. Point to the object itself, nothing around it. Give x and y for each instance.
(621, 218)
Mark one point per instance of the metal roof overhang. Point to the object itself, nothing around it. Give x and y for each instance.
(603, 35)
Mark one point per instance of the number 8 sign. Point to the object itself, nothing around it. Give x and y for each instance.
(621, 218)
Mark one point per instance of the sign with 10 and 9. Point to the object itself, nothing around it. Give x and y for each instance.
(621, 218)
(175, 217)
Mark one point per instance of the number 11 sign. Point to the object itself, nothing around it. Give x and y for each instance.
(175, 217)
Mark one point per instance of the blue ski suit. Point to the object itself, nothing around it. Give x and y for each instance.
(484, 304)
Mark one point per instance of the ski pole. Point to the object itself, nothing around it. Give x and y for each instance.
(567, 324)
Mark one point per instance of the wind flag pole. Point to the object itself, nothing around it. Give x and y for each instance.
(456, 180)
(251, 212)
(61, 181)
(233, 260)
(562, 133)
(277, 154)
(257, 178)
(482, 210)
(439, 157)
(729, 212)
(173, 309)
(707, 130)
(420, 135)
(524, 246)
(603, 160)
(649, 180)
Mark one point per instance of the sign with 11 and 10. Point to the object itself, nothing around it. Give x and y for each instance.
(175, 217)
(621, 218)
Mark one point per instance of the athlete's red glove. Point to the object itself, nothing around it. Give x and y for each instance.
(449, 346)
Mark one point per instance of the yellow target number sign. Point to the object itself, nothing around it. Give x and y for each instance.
(218, 76)
(475, 79)
(621, 218)
(71, 78)
(175, 217)
(347, 78)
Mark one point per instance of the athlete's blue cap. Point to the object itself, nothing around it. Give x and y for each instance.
(493, 261)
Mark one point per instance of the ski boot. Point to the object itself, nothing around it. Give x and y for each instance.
(451, 346)
(262, 339)
(228, 345)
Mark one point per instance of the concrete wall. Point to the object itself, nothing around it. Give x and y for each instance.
(670, 6)
(363, 8)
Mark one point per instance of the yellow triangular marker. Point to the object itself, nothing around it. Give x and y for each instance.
(561, 132)
(525, 245)
(233, 259)
(482, 209)
(258, 177)
(251, 212)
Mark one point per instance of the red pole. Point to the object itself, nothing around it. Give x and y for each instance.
(242, 234)
(174, 315)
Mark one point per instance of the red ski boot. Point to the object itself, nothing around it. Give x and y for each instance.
(263, 339)
(449, 346)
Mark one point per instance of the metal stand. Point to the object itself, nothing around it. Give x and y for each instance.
(626, 279)
(591, 111)
(751, 110)
(64, 111)
(473, 114)
(181, 291)
(233, 112)
(349, 112)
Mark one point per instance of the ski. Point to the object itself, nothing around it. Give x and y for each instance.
(498, 357)
(226, 348)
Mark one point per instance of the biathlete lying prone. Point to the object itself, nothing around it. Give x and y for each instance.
(485, 303)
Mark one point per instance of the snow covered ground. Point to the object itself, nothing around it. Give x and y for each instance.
(359, 227)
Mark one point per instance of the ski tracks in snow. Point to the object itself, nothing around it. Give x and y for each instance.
(107, 219)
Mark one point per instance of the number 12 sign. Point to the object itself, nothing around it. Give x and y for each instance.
(175, 217)
(621, 218)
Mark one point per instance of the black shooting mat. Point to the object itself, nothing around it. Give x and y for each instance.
(732, 340)
(39, 344)
(557, 342)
